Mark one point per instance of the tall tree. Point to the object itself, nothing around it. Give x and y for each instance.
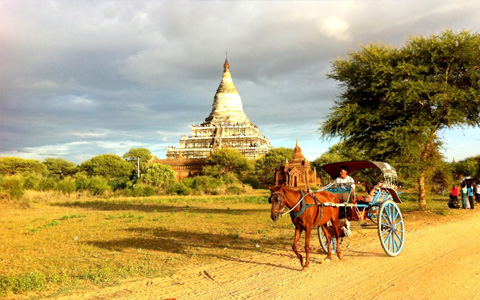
(225, 160)
(60, 167)
(15, 165)
(144, 154)
(108, 166)
(265, 166)
(158, 175)
(395, 102)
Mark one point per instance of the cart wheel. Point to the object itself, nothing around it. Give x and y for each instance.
(391, 228)
(323, 241)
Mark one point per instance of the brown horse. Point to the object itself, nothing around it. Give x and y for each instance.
(307, 215)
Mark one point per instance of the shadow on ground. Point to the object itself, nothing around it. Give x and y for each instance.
(112, 206)
(184, 242)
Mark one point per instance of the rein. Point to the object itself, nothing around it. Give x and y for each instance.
(290, 210)
(303, 207)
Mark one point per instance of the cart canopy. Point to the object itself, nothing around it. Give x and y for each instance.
(334, 169)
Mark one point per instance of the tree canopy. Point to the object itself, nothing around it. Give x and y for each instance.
(60, 167)
(396, 101)
(108, 166)
(16, 165)
(227, 160)
(144, 154)
(158, 175)
(265, 166)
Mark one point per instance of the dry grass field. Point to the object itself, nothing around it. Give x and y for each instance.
(52, 244)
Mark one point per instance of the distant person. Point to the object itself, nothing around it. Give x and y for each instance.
(453, 203)
(470, 196)
(477, 192)
(464, 196)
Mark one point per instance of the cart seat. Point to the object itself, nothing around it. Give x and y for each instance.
(344, 191)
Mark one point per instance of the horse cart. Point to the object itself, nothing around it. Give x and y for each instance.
(380, 206)
(326, 208)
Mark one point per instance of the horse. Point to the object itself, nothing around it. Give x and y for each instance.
(309, 214)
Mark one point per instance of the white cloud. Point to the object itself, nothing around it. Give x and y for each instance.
(335, 27)
(93, 134)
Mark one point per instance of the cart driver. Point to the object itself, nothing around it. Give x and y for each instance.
(345, 181)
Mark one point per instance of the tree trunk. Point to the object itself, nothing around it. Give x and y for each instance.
(422, 200)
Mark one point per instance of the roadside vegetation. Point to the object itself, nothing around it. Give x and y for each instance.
(107, 175)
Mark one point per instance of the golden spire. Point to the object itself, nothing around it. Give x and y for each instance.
(226, 65)
(227, 104)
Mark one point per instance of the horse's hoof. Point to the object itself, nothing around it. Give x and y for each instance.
(305, 268)
(340, 256)
(326, 261)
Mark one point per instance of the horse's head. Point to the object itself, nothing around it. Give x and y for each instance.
(278, 201)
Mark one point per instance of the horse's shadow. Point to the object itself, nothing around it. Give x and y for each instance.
(182, 241)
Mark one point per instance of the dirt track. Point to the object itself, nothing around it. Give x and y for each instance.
(439, 261)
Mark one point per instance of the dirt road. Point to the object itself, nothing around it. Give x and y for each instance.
(439, 261)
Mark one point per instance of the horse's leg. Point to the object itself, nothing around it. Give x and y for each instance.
(308, 231)
(337, 233)
(329, 241)
(298, 232)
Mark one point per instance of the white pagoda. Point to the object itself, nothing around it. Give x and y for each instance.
(227, 126)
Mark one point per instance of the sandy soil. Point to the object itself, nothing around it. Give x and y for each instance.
(439, 261)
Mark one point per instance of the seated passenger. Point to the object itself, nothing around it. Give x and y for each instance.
(369, 198)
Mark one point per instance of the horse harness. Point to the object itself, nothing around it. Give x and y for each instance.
(303, 206)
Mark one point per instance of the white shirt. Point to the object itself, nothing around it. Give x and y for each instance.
(478, 188)
(347, 179)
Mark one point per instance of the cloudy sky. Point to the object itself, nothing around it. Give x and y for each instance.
(83, 78)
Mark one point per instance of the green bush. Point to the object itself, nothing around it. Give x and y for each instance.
(189, 182)
(67, 185)
(235, 189)
(229, 178)
(207, 184)
(98, 185)
(119, 183)
(47, 183)
(143, 190)
(13, 185)
(24, 282)
(32, 182)
(178, 188)
(253, 182)
(82, 181)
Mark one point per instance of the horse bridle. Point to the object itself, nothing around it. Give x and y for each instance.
(282, 205)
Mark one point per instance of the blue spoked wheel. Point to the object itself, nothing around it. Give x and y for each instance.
(391, 229)
(323, 241)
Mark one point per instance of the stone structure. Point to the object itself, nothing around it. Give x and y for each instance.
(297, 173)
(227, 126)
(183, 168)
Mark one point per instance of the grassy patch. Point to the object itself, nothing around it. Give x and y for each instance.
(56, 246)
